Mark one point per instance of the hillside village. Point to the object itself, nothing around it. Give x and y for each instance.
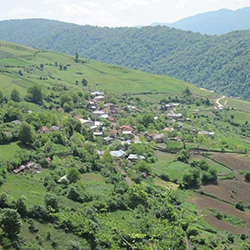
(82, 167)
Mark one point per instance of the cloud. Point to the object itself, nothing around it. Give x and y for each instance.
(19, 12)
(131, 4)
(85, 13)
(182, 4)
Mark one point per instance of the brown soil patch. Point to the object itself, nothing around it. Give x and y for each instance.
(230, 190)
(205, 202)
(233, 161)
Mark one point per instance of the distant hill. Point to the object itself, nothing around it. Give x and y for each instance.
(214, 22)
(219, 63)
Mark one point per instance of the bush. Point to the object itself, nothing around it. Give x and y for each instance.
(192, 231)
(240, 206)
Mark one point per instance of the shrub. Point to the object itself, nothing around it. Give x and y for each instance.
(192, 231)
(240, 206)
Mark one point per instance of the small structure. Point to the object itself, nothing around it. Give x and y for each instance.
(54, 128)
(159, 138)
(63, 178)
(86, 122)
(133, 158)
(60, 110)
(113, 132)
(44, 130)
(21, 168)
(168, 129)
(16, 122)
(118, 153)
(124, 127)
(108, 140)
(98, 133)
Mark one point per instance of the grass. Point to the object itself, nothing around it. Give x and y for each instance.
(239, 104)
(23, 185)
(100, 76)
(96, 184)
(8, 151)
(227, 218)
(174, 144)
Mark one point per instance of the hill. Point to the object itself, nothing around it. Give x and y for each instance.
(219, 63)
(214, 22)
(151, 162)
(20, 67)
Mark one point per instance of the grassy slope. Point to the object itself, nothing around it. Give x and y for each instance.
(100, 76)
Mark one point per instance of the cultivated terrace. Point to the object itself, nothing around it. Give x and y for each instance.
(84, 167)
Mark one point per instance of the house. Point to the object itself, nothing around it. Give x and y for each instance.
(110, 106)
(86, 122)
(99, 98)
(96, 93)
(44, 130)
(206, 133)
(174, 115)
(16, 122)
(133, 158)
(118, 153)
(54, 128)
(128, 133)
(126, 128)
(113, 132)
(159, 138)
(105, 116)
(98, 133)
(98, 113)
(60, 110)
(148, 136)
(168, 129)
(63, 178)
(21, 168)
(107, 140)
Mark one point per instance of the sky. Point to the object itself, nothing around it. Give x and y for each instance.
(113, 13)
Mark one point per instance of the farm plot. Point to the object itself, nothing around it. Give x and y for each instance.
(231, 190)
(233, 161)
(205, 202)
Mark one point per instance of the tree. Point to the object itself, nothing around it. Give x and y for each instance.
(1, 96)
(35, 94)
(73, 175)
(51, 201)
(10, 222)
(26, 133)
(15, 96)
(84, 82)
(76, 57)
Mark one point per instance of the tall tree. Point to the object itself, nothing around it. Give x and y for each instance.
(10, 222)
(76, 57)
(35, 94)
(26, 133)
(15, 96)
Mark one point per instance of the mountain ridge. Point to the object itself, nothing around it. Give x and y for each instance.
(218, 63)
(214, 22)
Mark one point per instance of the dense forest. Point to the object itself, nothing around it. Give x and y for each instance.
(219, 63)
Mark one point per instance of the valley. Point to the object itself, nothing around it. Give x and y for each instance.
(98, 156)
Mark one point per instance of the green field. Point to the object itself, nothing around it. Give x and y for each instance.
(100, 76)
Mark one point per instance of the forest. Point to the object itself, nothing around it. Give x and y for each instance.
(218, 63)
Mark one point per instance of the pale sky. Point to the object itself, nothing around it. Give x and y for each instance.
(113, 13)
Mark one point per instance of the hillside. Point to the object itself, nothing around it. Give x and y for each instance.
(21, 67)
(96, 156)
(219, 63)
(214, 22)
